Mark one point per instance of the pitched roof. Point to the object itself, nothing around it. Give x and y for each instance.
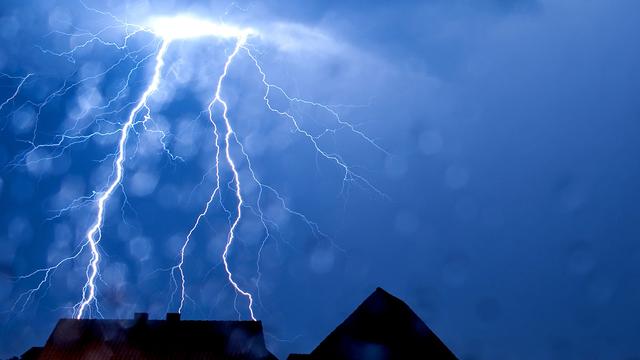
(155, 339)
(382, 327)
(31, 354)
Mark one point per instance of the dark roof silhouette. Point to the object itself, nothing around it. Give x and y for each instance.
(382, 327)
(31, 354)
(142, 338)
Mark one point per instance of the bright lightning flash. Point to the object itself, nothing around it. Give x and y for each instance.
(190, 27)
(167, 30)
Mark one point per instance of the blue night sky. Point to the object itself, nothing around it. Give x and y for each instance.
(504, 206)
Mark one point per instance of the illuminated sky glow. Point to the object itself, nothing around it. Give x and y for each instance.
(191, 27)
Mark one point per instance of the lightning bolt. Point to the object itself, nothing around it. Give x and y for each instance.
(236, 177)
(18, 88)
(95, 231)
(169, 30)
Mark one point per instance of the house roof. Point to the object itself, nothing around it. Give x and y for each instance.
(155, 339)
(382, 327)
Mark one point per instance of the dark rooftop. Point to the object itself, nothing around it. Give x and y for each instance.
(382, 327)
(142, 338)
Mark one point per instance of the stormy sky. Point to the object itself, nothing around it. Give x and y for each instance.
(504, 209)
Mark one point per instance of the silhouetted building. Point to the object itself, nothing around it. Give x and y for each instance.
(142, 338)
(382, 327)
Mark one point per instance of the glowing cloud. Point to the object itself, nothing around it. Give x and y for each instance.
(189, 27)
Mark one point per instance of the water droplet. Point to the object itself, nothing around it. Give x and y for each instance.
(456, 177)
(430, 142)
